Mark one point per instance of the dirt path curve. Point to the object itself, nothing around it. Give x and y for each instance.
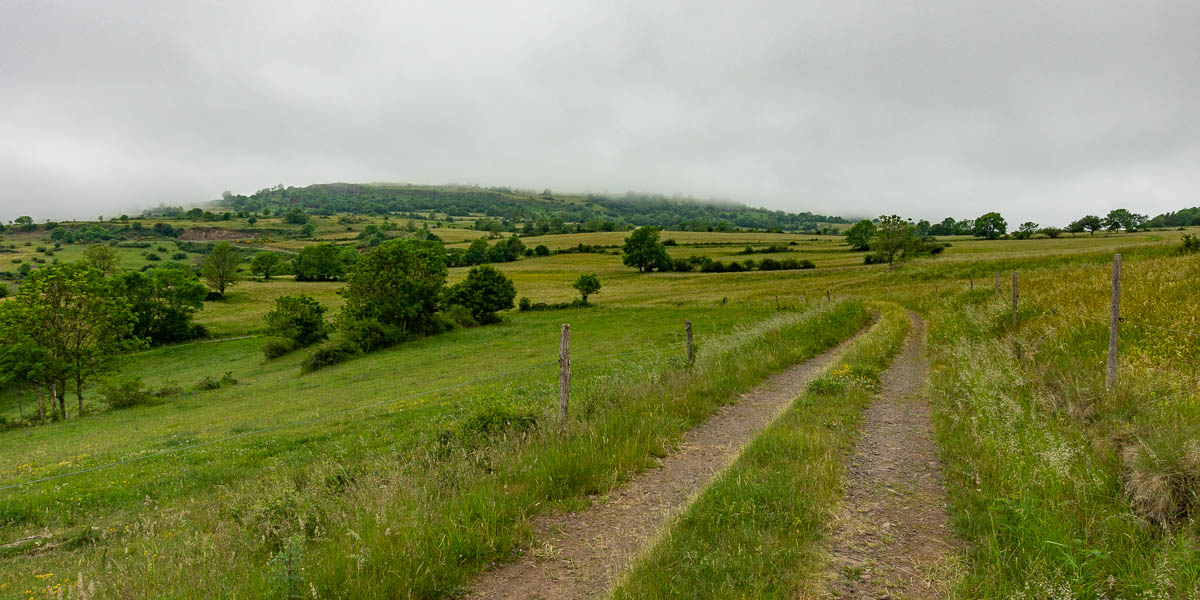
(582, 553)
(892, 538)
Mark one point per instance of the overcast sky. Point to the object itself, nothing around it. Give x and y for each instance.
(1042, 110)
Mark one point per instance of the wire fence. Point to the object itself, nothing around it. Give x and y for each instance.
(330, 415)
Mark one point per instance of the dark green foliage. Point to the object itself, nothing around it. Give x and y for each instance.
(299, 318)
(1026, 230)
(295, 216)
(320, 262)
(276, 347)
(398, 284)
(1189, 243)
(643, 251)
(541, 250)
(162, 301)
(265, 264)
(330, 353)
(1124, 219)
(990, 225)
(860, 236)
(1182, 218)
(484, 292)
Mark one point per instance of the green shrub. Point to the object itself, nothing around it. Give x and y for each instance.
(328, 354)
(484, 292)
(460, 316)
(124, 392)
(277, 346)
(153, 257)
(299, 318)
(179, 256)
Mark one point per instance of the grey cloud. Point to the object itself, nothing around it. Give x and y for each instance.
(924, 108)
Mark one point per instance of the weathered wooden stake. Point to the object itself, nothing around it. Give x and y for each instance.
(827, 296)
(687, 325)
(564, 376)
(1111, 381)
(1014, 298)
(972, 283)
(997, 285)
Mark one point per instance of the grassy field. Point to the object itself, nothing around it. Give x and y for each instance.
(401, 473)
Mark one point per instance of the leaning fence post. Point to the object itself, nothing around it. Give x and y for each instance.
(687, 325)
(1111, 381)
(827, 296)
(564, 376)
(1014, 298)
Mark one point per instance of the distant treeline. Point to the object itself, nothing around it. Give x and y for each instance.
(592, 212)
(1182, 218)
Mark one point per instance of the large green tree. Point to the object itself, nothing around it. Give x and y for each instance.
(220, 267)
(893, 236)
(859, 237)
(484, 292)
(398, 284)
(990, 225)
(643, 251)
(319, 262)
(265, 264)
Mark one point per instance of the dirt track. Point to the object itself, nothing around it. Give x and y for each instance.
(892, 538)
(582, 553)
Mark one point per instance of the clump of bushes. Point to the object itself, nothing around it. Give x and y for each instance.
(124, 392)
(526, 305)
(211, 383)
(1189, 243)
(295, 322)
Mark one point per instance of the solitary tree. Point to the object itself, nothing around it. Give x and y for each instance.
(990, 226)
(643, 250)
(587, 284)
(1026, 230)
(398, 284)
(265, 264)
(893, 236)
(483, 292)
(1091, 223)
(859, 237)
(220, 267)
(319, 262)
(102, 258)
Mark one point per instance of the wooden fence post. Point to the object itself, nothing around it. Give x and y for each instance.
(687, 325)
(1014, 298)
(827, 296)
(997, 285)
(564, 376)
(972, 283)
(1111, 381)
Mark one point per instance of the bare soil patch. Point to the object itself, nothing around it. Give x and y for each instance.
(581, 554)
(892, 538)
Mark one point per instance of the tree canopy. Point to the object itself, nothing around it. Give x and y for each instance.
(643, 251)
